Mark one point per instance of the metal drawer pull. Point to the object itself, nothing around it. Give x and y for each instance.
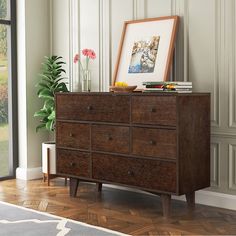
(72, 164)
(152, 142)
(90, 108)
(153, 110)
(71, 135)
(130, 173)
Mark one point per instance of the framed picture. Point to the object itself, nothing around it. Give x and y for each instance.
(146, 50)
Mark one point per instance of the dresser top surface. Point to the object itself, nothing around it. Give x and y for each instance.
(176, 94)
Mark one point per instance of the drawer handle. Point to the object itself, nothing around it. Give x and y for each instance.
(153, 110)
(152, 142)
(72, 164)
(71, 135)
(109, 138)
(90, 108)
(130, 173)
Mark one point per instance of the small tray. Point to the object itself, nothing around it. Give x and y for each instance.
(120, 89)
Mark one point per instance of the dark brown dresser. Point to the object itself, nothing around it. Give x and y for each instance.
(159, 143)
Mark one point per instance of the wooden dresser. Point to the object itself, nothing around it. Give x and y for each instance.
(159, 143)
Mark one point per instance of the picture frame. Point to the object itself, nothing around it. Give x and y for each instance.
(146, 50)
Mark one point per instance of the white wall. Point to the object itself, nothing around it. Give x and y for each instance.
(33, 42)
(205, 55)
(60, 30)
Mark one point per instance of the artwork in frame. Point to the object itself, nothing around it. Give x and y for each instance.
(146, 50)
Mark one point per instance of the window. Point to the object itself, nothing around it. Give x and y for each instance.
(8, 89)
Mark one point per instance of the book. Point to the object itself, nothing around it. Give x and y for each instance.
(155, 83)
(166, 91)
(155, 86)
(153, 91)
(156, 89)
(182, 83)
(183, 91)
(183, 87)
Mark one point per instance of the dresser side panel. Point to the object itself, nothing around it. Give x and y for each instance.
(194, 143)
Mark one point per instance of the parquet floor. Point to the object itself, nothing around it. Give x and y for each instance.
(123, 211)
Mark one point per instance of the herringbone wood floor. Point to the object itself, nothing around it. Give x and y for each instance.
(123, 211)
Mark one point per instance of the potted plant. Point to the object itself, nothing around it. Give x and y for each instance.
(51, 82)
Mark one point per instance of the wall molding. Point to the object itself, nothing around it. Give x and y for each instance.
(182, 71)
(74, 41)
(139, 9)
(232, 65)
(180, 8)
(219, 43)
(224, 134)
(215, 165)
(51, 26)
(232, 166)
(218, 68)
(145, 8)
(186, 40)
(135, 10)
(104, 45)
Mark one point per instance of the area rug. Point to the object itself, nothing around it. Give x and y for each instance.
(20, 221)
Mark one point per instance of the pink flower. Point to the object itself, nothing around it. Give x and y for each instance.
(89, 54)
(85, 52)
(76, 58)
(92, 54)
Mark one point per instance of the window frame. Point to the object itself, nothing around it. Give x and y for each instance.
(12, 91)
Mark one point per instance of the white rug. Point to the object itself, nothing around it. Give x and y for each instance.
(20, 221)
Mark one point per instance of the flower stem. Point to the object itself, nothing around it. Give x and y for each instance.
(87, 62)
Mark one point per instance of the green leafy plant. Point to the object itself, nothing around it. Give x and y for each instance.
(3, 104)
(3, 28)
(50, 83)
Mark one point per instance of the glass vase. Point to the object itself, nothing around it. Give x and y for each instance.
(86, 81)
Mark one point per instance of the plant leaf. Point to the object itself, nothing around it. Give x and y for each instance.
(52, 116)
(49, 103)
(41, 126)
(43, 85)
(41, 113)
(49, 125)
(45, 93)
(62, 88)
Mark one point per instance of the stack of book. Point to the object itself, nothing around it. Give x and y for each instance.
(175, 86)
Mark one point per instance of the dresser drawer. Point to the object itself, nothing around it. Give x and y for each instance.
(154, 142)
(110, 108)
(110, 138)
(73, 163)
(73, 135)
(158, 110)
(151, 174)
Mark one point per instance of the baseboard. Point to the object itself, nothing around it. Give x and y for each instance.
(29, 173)
(203, 197)
(214, 199)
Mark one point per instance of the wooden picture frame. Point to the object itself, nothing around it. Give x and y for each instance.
(146, 50)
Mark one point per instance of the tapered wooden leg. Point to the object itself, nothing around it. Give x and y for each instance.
(48, 166)
(44, 177)
(190, 197)
(166, 204)
(99, 187)
(74, 183)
